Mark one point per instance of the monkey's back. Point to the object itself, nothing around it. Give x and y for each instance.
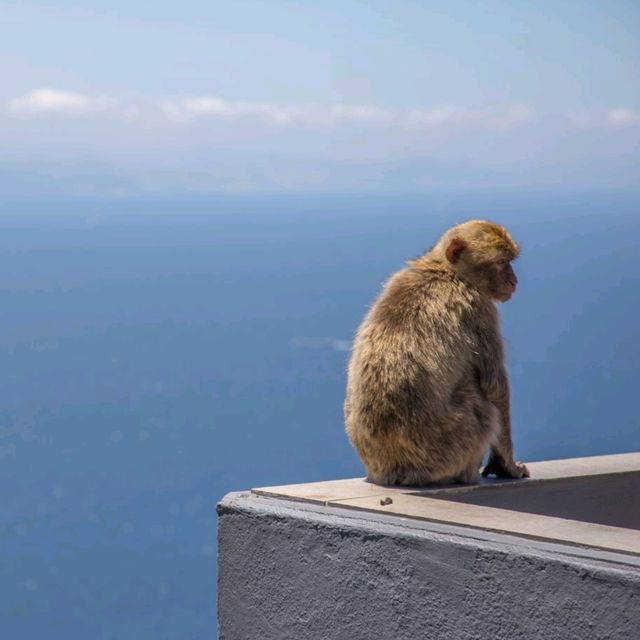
(414, 346)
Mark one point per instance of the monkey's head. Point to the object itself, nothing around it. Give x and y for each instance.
(480, 253)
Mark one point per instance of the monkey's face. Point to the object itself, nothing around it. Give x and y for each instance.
(481, 252)
(502, 280)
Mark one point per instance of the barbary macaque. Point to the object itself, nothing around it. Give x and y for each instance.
(427, 390)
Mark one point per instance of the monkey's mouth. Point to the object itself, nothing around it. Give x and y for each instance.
(503, 296)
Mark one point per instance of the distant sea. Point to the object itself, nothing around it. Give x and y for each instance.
(155, 355)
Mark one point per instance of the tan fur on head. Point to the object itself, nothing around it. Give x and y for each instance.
(427, 389)
(485, 239)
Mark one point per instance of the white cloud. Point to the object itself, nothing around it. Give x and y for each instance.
(432, 117)
(68, 103)
(614, 117)
(48, 101)
(362, 113)
(445, 117)
(214, 107)
(513, 116)
(57, 102)
(621, 116)
(448, 117)
(196, 107)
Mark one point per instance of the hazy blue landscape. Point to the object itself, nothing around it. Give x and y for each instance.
(156, 355)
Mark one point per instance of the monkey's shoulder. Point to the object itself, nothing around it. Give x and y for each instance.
(421, 295)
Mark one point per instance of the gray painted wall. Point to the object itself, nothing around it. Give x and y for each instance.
(298, 571)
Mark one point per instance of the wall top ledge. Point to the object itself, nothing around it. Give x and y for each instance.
(591, 502)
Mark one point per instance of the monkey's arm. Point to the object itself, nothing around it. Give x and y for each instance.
(494, 383)
(501, 462)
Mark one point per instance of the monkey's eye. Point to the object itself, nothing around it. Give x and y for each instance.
(503, 262)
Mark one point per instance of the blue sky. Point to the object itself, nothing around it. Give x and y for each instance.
(203, 97)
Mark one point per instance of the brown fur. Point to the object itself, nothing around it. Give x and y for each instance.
(427, 390)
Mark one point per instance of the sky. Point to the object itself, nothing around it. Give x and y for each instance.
(146, 98)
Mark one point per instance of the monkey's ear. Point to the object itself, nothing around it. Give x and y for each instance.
(454, 250)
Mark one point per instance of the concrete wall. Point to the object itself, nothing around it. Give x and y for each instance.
(300, 571)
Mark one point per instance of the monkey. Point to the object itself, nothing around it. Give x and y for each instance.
(427, 388)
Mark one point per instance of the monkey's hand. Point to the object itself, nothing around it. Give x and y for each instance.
(497, 467)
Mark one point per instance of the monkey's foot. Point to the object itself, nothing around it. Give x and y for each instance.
(500, 469)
